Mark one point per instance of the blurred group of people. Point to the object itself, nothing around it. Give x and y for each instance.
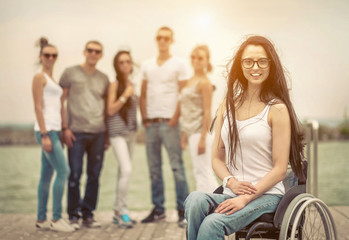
(256, 134)
(93, 113)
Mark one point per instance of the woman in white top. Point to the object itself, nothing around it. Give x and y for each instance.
(196, 98)
(256, 134)
(47, 103)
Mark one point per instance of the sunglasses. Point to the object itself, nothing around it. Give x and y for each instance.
(198, 58)
(125, 62)
(166, 39)
(91, 50)
(48, 55)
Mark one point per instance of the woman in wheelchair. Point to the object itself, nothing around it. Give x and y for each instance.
(256, 133)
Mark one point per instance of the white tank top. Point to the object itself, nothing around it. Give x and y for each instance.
(51, 105)
(254, 160)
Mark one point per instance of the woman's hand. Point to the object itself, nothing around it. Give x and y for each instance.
(129, 91)
(69, 137)
(46, 144)
(202, 146)
(231, 205)
(241, 188)
(173, 121)
(184, 141)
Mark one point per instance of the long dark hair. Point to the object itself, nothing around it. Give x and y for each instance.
(275, 86)
(122, 80)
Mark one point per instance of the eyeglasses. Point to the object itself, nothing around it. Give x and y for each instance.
(249, 63)
(198, 58)
(124, 62)
(91, 50)
(48, 55)
(166, 39)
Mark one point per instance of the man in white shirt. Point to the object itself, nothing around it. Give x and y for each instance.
(163, 76)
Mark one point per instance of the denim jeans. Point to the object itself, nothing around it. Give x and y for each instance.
(156, 135)
(93, 145)
(203, 223)
(123, 150)
(55, 160)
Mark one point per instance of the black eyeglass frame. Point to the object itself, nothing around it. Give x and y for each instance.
(254, 62)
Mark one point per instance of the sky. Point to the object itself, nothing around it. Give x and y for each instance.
(311, 38)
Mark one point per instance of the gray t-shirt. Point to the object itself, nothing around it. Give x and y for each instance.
(85, 101)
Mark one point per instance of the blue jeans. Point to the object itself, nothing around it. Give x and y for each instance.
(93, 145)
(203, 223)
(55, 160)
(156, 135)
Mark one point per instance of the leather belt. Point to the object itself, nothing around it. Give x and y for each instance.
(157, 120)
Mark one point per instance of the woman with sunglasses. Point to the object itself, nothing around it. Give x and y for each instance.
(196, 98)
(47, 103)
(257, 132)
(122, 127)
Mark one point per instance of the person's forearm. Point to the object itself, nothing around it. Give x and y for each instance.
(40, 118)
(177, 112)
(116, 106)
(220, 169)
(275, 176)
(205, 124)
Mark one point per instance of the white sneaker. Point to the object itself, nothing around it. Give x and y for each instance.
(91, 223)
(61, 226)
(43, 225)
(124, 221)
(74, 223)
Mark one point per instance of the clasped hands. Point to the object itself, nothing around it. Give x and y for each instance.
(244, 190)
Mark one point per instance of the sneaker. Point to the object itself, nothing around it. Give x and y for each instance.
(61, 226)
(124, 221)
(90, 222)
(74, 223)
(182, 222)
(155, 216)
(45, 225)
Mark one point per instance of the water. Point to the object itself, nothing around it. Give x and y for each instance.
(20, 168)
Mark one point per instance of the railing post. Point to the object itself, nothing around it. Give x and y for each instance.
(312, 133)
(315, 151)
(308, 157)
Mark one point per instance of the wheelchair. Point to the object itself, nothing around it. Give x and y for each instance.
(299, 215)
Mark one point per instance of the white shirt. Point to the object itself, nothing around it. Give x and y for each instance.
(51, 105)
(162, 85)
(254, 160)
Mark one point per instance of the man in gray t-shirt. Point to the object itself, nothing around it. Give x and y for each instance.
(83, 125)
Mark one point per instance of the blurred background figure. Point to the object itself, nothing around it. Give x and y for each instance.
(47, 94)
(196, 99)
(122, 127)
(163, 76)
(85, 88)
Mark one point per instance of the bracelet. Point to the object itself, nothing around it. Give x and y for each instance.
(122, 99)
(44, 134)
(225, 181)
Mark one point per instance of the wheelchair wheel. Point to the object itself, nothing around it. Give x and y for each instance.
(307, 218)
(290, 213)
(313, 221)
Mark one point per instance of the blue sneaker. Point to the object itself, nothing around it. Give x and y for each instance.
(124, 221)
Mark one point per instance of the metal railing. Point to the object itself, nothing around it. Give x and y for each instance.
(312, 139)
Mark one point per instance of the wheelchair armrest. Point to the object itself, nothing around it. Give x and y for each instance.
(285, 201)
